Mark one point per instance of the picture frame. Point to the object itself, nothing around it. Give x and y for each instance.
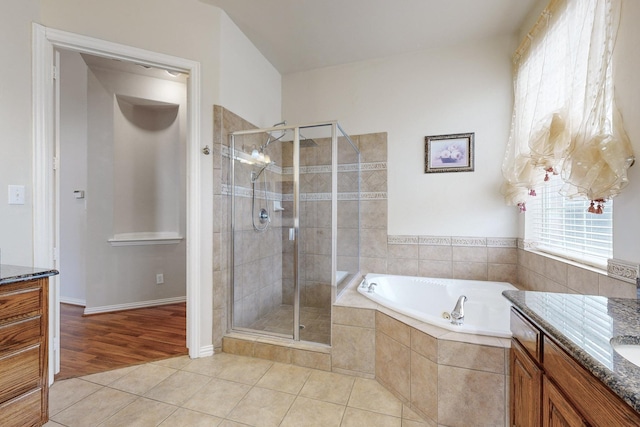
(449, 153)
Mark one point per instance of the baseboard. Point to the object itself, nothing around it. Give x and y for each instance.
(73, 301)
(133, 305)
(205, 351)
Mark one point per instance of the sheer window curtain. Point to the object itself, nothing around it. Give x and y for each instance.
(564, 118)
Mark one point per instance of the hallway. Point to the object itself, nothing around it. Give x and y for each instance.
(102, 342)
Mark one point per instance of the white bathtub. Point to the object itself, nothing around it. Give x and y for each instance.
(486, 311)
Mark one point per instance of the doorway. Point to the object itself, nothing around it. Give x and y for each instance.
(121, 175)
(46, 42)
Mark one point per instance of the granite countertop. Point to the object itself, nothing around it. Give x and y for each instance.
(583, 326)
(16, 273)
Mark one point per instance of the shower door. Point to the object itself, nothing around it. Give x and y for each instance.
(294, 228)
(263, 273)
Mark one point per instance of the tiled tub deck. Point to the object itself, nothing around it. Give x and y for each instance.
(450, 379)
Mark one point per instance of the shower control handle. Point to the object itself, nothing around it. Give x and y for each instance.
(292, 234)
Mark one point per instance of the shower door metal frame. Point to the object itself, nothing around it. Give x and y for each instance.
(296, 206)
(296, 217)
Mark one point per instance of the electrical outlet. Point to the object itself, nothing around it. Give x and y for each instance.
(159, 279)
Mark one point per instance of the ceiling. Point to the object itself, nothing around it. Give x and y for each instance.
(299, 35)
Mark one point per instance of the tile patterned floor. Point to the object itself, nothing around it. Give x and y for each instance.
(224, 390)
(316, 321)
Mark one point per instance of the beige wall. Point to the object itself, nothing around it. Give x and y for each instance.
(441, 91)
(626, 227)
(15, 124)
(459, 89)
(189, 29)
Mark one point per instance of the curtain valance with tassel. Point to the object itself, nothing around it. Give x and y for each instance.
(564, 119)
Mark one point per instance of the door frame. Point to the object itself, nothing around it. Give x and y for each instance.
(46, 42)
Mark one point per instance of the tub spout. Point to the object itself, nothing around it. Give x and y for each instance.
(457, 315)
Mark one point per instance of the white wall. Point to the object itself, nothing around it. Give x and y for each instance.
(73, 176)
(123, 275)
(627, 85)
(435, 92)
(249, 85)
(15, 122)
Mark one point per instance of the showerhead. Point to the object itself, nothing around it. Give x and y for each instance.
(275, 135)
(307, 142)
(255, 176)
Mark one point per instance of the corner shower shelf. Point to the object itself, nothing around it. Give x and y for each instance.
(139, 239)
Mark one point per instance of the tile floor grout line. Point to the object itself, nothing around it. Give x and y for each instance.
(69, 406)
(305, 376)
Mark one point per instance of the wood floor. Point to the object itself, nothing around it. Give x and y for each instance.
(101, 342)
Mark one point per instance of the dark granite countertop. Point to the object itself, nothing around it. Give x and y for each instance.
(16, 273)
(583, 326)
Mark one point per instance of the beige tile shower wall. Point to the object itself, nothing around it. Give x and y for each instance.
(258, 283)
(538, 272)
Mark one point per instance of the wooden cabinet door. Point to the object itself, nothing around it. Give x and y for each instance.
(557, 411)
(525, 390)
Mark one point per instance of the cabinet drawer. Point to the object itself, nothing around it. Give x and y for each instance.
(593, 399)
(19, 372)
(20, 301)
(527, 335)
(22, 331)
(23, 411)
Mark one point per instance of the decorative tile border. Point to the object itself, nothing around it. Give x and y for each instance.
(623, 270)
(490, 242)
(402, 240)
(469, 241)
(347, 167)
(435, 240)
(247, 192)
(502, 242)
(373, 166)
(527, 244)
(310, 197)
(373, 195)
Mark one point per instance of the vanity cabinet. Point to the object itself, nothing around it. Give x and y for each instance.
(23, 353)
(550, 389)
(526, 384)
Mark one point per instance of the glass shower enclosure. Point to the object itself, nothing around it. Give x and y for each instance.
(295, 219)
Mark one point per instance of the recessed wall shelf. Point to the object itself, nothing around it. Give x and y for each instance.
(140, 239)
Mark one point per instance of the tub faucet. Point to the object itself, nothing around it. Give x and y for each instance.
(457, 315)
(369, 286)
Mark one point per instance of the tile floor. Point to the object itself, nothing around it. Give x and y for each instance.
(224, 390)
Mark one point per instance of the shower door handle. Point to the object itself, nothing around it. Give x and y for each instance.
(292, 234)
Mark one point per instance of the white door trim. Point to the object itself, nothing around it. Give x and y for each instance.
(45, 42)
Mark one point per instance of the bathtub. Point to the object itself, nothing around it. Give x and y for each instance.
(486, 311)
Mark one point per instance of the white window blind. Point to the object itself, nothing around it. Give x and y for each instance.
(563, 227)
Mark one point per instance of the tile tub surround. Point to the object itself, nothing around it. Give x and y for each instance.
(538, 272)
(225, 390)
(585, 334)
(448, 378)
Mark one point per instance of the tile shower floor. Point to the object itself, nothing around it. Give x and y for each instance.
(224, 390)
(316, 321)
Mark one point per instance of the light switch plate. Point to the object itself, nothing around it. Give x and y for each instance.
(16, 194)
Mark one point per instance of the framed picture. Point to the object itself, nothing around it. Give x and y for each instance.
(448, 153)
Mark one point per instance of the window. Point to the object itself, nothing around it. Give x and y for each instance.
(567, 142)
(563, 227)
